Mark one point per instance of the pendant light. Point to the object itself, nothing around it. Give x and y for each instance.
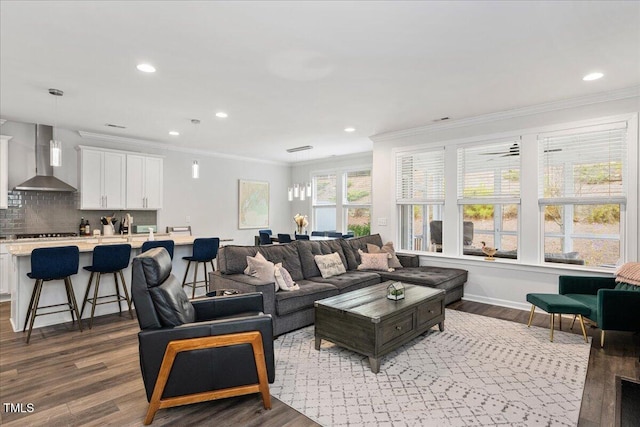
(300, 191)
(195, 167)
(55, 146)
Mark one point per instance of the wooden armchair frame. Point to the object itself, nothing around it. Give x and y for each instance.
(174, 347)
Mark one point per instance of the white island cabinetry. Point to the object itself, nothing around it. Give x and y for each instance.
(102, 179)
(144, 182)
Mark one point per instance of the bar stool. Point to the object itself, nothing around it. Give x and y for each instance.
(167, 244)
(53, 264)
(204, 250)
(108, 259)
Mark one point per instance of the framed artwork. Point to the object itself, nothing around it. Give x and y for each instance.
(253, 204)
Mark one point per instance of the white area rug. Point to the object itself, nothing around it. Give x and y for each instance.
(479, 372)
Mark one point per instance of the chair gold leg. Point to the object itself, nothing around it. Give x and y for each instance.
(584, 332)
(602, 339)
(553, 318)
(574, 319)
(533, 308)
(559, 321)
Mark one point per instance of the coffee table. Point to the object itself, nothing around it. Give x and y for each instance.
(367, 322)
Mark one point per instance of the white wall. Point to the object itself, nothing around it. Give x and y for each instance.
(500, 283)
(211, 201)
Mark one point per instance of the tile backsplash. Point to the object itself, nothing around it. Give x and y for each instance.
(55, 212)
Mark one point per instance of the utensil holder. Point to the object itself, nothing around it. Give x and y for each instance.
(107, 229)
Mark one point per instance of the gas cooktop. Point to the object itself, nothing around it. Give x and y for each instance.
(41, 235)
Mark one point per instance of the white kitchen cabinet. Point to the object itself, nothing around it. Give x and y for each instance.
(4, 171)
(102, 179)
(4, 270)
(144, 182)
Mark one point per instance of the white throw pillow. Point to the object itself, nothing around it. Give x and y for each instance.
(330, 265)
(283, 279)
(378, 262)
(394, 262)
(259, 267)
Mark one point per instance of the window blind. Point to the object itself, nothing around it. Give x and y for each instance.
(420, 177)
(583, 166)
(489, 172)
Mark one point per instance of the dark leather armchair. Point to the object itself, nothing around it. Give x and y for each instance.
(225, 344)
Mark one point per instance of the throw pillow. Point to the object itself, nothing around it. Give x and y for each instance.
(259, 267)
(378, 262)
(629, 273)
(330, 265)
(283, 279)
(394, 262)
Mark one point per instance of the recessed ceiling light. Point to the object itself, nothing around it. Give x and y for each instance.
(349, 129)
(592, 76)
(146, 68)
(222, 115)
(174, 133)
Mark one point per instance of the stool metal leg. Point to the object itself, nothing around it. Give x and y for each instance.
(118, 296)
(75, 301)
(206, 278)
(195, 278)
(30, 310)
(184, 280)
(553, 317)
(602, 339)
(126, 293)
(533, 308)
(574, 320)
(86, 294)
(67, 281)
(35, 308)
(95, 300)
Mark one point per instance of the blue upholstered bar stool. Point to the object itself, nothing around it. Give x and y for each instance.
(53, 264)
(205, 250)
(108, 259)
(302, 237)
(284, 238)
(167, 244)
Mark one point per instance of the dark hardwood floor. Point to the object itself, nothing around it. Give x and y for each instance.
(93, 377)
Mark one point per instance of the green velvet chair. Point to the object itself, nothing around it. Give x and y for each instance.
(614, 306)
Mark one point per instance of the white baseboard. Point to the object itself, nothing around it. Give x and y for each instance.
(5, 297)
(498, 302)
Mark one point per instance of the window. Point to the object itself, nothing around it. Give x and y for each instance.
(357, 202)
(489, 196)
(342, 201)
(324, 202)
(420, 199)
(582, 193)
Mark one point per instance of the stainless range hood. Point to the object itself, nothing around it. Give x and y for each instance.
(44, 179)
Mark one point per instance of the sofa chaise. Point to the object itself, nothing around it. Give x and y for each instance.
(291, 310)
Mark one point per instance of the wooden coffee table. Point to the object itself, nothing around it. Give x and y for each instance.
(367, 322)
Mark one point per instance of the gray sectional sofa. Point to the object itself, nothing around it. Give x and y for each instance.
(291, 310)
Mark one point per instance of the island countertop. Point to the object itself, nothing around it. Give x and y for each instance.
(87, 244)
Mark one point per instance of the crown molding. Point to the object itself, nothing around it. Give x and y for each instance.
(116, 139)
(629, 92)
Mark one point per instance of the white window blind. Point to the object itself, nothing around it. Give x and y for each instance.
(489, 173)
(583, 166)
(420, 177)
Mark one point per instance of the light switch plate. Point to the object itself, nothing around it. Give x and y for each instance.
(382, 221)
(187, 219)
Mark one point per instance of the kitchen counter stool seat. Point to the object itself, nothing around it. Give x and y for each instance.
(167, 244)
(53, 264)
(205, 250)
(108, 259)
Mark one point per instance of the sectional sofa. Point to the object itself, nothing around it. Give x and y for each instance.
(291, 310)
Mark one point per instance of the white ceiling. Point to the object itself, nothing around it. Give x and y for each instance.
(297, 73)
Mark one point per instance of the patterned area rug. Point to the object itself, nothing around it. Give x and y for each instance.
(479, 372)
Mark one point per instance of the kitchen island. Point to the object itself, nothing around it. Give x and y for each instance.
(21, 286)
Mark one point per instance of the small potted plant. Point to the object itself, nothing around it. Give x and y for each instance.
(395, 291)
